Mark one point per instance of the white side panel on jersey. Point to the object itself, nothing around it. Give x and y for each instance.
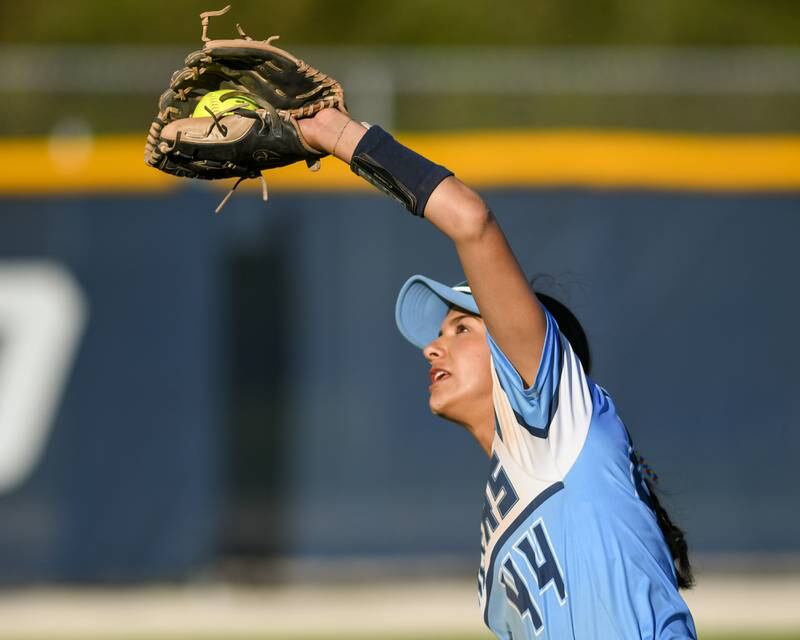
(534, 465)
(550, 458)
(42, 316)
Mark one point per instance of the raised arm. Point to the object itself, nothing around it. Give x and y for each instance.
(509, 308)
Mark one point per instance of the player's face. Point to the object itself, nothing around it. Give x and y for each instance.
(460, 374)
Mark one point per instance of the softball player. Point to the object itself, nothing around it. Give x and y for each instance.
(573, 542)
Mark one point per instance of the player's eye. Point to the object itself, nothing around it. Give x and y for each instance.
(461, 328)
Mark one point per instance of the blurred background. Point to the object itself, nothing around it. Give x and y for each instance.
(209, 425)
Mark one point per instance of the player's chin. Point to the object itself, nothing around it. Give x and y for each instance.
(439, 402)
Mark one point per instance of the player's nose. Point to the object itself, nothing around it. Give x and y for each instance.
(433, 350)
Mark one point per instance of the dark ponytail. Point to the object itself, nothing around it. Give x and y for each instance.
(572, 330)
(570, 327)
(676, 541)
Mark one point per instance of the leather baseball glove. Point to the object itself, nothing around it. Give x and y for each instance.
(236, 141)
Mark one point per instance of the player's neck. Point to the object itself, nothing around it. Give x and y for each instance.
(482, 429)
(478, 419)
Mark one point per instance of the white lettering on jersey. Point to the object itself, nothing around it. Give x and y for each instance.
(538, 555)
(499, 499)
(535, 465)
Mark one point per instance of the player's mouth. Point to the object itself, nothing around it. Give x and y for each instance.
(437, 375)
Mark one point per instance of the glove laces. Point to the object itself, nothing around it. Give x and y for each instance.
(264, 191)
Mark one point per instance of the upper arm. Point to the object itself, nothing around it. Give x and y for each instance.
(533, 404)
(507, 304)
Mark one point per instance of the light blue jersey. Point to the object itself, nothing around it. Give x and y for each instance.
(570, 545)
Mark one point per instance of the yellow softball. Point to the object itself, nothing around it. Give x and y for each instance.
(214, 100)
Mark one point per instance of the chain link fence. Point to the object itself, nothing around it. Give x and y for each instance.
(114, 89)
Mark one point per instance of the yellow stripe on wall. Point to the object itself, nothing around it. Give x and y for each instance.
(482, 159)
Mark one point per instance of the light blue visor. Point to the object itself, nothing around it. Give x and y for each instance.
(423, 303)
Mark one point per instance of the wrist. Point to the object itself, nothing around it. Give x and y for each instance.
(323, 130)
(395, 169)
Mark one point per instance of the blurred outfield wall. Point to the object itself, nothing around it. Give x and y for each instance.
(238, 387)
